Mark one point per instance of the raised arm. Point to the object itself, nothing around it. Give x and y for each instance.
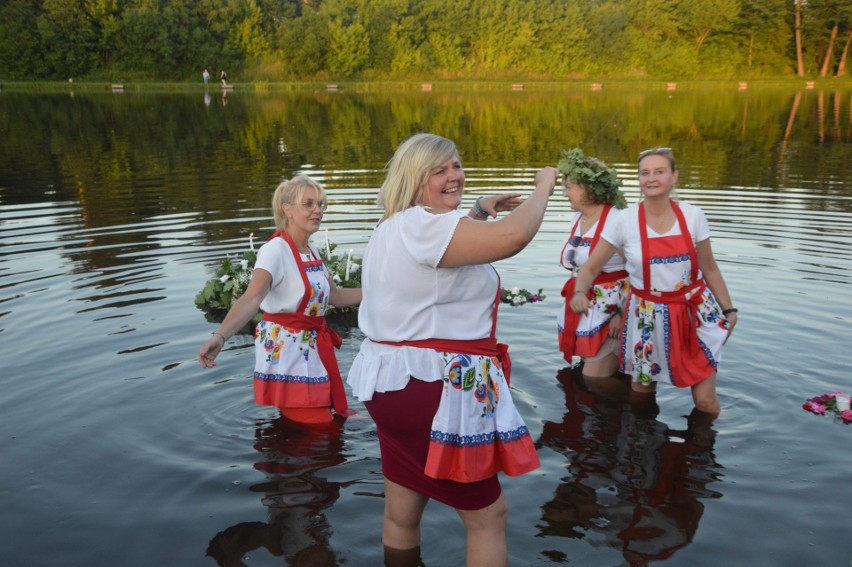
(483, 242)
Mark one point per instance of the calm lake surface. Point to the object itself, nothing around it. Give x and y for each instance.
(117, 448)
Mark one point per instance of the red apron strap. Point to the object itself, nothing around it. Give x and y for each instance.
(570, 238)
(646, 253)
(601, 222)
(687, 240)
(302, 272)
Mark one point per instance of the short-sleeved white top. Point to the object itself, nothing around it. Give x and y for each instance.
(624, 234)
(406, 296)
(288, 289)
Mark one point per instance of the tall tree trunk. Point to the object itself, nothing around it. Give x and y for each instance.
(800, 62)
(829, 53)
(750, 50)
(841, 67)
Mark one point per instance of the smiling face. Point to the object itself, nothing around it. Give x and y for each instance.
(656, 178)
(305, 215)
(444, 186)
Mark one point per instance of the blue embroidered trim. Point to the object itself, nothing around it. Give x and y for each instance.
(463, 441)
(290, 378)
(670, 259)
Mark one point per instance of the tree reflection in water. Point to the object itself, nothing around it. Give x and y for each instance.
(634, 483)
(295, 495)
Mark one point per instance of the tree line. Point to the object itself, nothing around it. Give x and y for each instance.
(280, 40)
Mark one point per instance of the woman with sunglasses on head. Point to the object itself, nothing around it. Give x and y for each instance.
(593, 191)
(295, 365)
(431, 372)
(679, 312)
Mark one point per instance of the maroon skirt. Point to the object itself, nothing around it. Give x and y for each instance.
(404, 424)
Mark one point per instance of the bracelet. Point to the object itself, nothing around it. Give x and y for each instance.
(220, 335)
(729, 310)
(478, 212)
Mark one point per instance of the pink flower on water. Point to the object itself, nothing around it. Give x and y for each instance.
(846, 416)
(818, 409)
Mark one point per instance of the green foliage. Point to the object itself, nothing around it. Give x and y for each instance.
(275, 39)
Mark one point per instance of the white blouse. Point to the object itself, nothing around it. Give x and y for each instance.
(288, 289)
(406, 296)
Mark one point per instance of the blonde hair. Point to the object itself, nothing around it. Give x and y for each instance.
(667, 153)
(291, 192)
(409, 168)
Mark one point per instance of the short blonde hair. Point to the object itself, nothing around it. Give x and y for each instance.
(409, 168)
(291, 192)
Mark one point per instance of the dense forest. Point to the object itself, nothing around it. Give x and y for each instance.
(280, 40)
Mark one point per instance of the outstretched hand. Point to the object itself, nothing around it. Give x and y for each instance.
(493, 204)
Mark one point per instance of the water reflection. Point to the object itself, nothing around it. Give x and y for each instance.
(295, 494)
(635, 484)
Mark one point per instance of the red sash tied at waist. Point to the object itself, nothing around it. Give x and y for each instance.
(568, 337)
(486, 347)
(687, 335)
(327, 341)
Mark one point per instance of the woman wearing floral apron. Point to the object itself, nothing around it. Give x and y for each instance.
(592, 189)
(431, 372)
(295, 365)
(679, 311)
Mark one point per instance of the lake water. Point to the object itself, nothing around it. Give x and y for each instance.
(117, 448)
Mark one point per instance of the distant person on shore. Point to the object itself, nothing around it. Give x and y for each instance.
(224, 77)
(679, 312)
(206, 76)
(295, 366)
(593, 191)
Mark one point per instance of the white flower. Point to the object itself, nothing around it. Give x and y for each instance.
(516, 290)
(336, 278)
(224, 278)
(354, 267)
(244, 264)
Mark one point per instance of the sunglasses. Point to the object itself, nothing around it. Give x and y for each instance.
(654, 151)
(573, 242)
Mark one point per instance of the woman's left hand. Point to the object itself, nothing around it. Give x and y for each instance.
(615, 325)
(493, 204)
(732, 322)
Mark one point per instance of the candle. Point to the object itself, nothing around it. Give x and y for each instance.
(842, 401)
(348, 260)
(327, 246)
(251, 241)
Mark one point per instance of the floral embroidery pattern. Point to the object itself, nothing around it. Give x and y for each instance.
(474, 374)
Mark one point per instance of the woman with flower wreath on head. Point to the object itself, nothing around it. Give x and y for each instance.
(593, 191)
(295, 365)
(679, 312)
(431, 372)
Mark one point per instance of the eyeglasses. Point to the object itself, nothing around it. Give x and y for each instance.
(309, 205)
(573, 242)
(654, 151)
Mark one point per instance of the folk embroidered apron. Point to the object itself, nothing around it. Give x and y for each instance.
(671, 336)
(295, 364)
(583, 335)
(477, 430)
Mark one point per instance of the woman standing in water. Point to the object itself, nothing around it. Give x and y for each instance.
(679, 311)
(295, 365)
(431, 372)
(593, 191)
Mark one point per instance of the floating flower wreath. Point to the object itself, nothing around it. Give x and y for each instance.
(827, 403)
(233, 276)
(518, 296)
